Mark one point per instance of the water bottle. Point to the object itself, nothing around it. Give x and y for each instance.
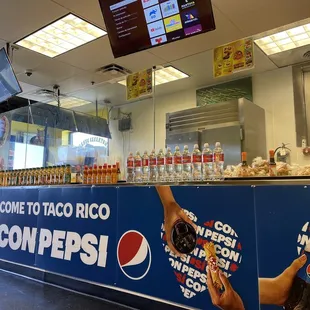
(169, 166)
(145, 167)
(207, 162)
(178, 165)
(153, 166)
(218, 162)
(138, 168)
(187, 164)
(196, 160)
(161, 166)
(130, 169)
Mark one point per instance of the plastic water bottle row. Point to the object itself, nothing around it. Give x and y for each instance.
(179, 166)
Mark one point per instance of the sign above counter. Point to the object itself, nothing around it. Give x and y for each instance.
(136, 25)
(233, 57)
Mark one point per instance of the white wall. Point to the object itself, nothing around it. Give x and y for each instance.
(272, 90)
(142, 135)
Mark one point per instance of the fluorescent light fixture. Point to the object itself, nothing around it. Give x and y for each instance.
(286, 40)
(165, 75)
(61, 36)
(70, 102)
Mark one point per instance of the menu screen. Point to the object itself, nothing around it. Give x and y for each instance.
(136, 25)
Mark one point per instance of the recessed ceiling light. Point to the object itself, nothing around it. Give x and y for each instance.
(70, 102)
(296, 36)
(61, 36)
(165, 75)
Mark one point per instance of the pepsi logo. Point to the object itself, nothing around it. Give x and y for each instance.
(134, 255)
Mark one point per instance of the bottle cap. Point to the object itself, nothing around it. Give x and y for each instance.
(271, 153)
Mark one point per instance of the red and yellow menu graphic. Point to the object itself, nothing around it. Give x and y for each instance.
(139, 84)
(233, 57)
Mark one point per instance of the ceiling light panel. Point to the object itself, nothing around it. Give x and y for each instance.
(70, 102)
(285, 40)
(165, 75)
(62, 36)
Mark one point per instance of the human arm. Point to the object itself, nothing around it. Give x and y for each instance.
(275, 291)
(227, 300)
(172, 213)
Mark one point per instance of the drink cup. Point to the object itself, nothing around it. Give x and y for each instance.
(183, 237)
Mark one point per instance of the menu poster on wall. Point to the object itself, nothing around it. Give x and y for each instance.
(233, 57)
(136, 25)
(139, 84)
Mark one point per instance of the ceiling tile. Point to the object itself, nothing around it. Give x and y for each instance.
(140, 61)
(90, 56)
(49, 72)
(20, 18)
(23, 59)
(90, 11)
(247, 15)
(81, 82)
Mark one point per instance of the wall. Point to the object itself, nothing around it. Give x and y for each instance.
(141, 136)
(272, 90)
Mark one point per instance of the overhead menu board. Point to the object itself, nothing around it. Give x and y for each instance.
(135, 25)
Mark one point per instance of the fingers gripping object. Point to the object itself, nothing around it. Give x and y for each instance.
(212, 264)
(183, 237)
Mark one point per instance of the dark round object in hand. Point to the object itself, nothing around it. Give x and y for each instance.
(299, 296)
(183, 237)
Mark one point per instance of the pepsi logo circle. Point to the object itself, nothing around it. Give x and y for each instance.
(134, 255)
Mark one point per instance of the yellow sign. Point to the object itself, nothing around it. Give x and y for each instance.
(139, 84)
(173, 23)
(233, 57)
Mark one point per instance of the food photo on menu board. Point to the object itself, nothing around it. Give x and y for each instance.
(136, 25)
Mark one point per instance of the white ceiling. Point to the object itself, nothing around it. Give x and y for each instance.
(75, 70)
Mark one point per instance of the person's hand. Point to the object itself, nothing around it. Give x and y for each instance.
(173, 212)
(275, 291)
(227, 300)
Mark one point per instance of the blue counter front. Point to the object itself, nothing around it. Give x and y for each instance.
(114, 237)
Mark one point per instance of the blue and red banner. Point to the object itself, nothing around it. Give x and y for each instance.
(115, 237)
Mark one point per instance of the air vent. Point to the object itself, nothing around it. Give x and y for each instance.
(113, 72)
(307, 55)
(45, 93)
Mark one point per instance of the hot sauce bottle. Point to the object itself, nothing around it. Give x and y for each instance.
(272, 164)
(104, 174)
(99, 175)
(109, 174)
(95, 175)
